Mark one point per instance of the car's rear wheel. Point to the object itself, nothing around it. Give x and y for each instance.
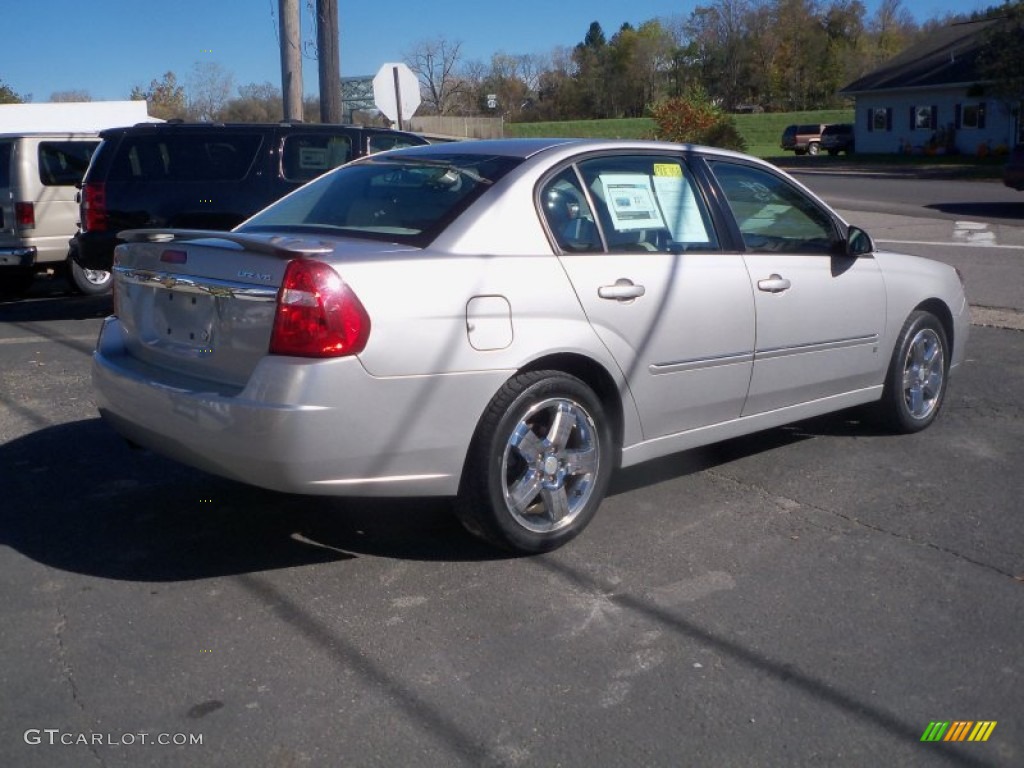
(812, 148)
(91, 282)
(539, 463)
(915, 386)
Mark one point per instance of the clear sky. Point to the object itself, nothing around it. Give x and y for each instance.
(106, 47)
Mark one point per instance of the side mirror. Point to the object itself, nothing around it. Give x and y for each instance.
(858, 242)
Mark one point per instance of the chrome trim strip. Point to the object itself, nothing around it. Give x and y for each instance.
(692, 365)
(188, 284)
(381, 479)
(822, 346)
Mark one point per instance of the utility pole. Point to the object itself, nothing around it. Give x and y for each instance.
(291, 59)
(329, 62)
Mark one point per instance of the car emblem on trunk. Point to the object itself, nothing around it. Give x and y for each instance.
(255, 275)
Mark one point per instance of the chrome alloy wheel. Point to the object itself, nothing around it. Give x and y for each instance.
(923, 371)
(550, 465)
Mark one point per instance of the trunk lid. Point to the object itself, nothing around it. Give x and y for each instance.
(202, 304)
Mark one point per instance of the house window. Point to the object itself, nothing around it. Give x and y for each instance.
(971, 116)
(880, 120)
(923, 118)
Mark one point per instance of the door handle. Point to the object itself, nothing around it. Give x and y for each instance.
(623, 290)
(774, 284)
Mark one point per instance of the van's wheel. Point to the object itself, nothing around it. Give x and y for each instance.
(539, 464)
(915, 385)
(15, 282)
(91, 282)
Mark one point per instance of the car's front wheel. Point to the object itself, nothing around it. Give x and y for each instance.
(539, 463)
(918, 373)
(91, 282)
(812, 148)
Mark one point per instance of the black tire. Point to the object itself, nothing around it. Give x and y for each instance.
(15, 282)
(915, 385)
(812, 148)
(559, 479)
(91, 282)
(833, 152)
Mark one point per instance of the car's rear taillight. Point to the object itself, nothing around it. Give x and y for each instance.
(25, 215)
(94, 207)
(318, 315)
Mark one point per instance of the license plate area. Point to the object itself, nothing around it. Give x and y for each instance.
(184, 323)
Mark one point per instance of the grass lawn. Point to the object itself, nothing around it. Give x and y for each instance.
(762, 133)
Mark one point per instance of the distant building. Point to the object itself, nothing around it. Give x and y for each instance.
(931, 99)
(72, 116)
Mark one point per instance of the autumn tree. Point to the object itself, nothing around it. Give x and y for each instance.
(255, 103)
(165, 98)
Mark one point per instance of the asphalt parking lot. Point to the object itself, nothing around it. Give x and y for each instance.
(815, 595)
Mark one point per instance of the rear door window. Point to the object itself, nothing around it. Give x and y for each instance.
(305, 156)
(186, 157)
(647, 202)
(63, 163)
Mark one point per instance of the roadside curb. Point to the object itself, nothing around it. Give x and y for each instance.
(990, 317)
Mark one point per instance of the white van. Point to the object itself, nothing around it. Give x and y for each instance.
(39, 175)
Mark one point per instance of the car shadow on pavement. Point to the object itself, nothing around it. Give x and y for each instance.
(1011, 211)
(123, 514)
(43, 305)
(80, 500)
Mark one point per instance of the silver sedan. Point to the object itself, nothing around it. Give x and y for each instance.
(507, 322)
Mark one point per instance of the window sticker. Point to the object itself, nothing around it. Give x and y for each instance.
(631, 202)
(680, 206)
(313, 158)
(669, 170)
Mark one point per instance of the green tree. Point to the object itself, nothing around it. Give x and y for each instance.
(1001, 60)
(8, 96)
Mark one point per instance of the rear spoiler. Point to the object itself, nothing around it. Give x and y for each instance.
(282, 246)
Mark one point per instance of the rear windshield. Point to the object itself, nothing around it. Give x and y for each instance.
(396, 197)
(63, 163)
(222, 156)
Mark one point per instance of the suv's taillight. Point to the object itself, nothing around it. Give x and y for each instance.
(25, 215)
(318, 315)
(94, 207)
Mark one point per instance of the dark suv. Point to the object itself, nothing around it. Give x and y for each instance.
(837, 138)
(206, 176)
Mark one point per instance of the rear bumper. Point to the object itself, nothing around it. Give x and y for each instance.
(94, 250)
(301, 426)
(17, 256)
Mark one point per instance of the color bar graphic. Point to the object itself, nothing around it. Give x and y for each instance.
(958, 730)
